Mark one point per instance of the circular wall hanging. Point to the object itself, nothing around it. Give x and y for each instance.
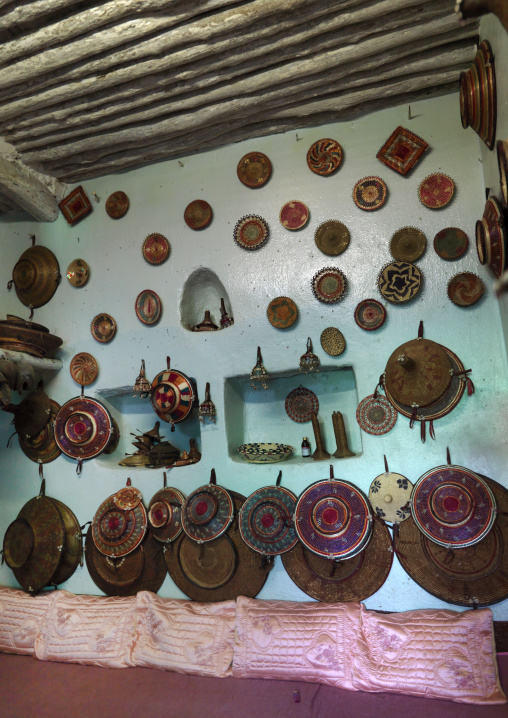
(370, 315)
(370, 193)
(451, 243)
(84, 369)
(103, 328)
(198, 214)
(332, 237)
(42, 448)
(155, 248)
(389, 496)
(300, 403)
(329, 285)
(399, 282)
(376, 415)
(453, 506)
(148, 307)
(172, 396)
(117, 205)
(254, 169)
(333, 519)
(165, 514)
(465, 289)
(83, 428)
(207, 513)
(324, 157)
(266, 520)
(408, 244)
(251, 232)
(117, 532)
(78, 272)
(436, 191)
(294, 215)
(332, 341)
(282, 312)
(35, 276)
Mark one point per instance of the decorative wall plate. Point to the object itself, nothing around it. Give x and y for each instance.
(389, 496)
(265, 453)
(78, 272)
(300, 403)
(332, 341)
(399, 281)
(402, 150)
(35, 276)
(408, 244)
(324, 157)
(478, 101)
(84, 368)
(266, 520)
(42, 448)
(294, 215)
(118, 532)
(254, 169)
(495, 236)
(451, 243)
(329, 285)
(76, 205)
(165, 514)
(155, 248)
(83, 427)
(376, 415)
(282, 312)
(333, 519)
(127, 498)
(207, 513)
(117, 205)
(103, 328)
(370, 193)
(172, 396)
(453, 506)
(465, 289)
(436, 191)
(502, 161)
(480, 241)
(332, 237)
(251, 232)
(148, 307)
(370, 315)
(198, 214)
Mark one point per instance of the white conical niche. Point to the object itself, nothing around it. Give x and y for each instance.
(203, 292)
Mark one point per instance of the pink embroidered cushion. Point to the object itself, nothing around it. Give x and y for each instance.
(433, 653)
(94, 630)
(184, 636)
(21, 618)
(286, 640)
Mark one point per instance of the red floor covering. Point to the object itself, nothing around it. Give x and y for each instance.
(29, 687)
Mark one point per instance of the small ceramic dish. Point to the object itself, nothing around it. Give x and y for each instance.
(265, 453)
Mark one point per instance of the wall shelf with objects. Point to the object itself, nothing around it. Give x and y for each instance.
(205, 304)
(260, 415)
(135, 416)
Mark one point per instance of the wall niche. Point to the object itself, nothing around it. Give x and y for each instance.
(203, 291)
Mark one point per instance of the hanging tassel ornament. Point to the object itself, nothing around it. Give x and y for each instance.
(309, 361)
(207, 408)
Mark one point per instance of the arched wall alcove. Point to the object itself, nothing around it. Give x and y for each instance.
(203, 290)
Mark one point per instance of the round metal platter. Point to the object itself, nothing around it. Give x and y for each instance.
(148, 307)
(370, 315)
(207, 513)
(324, 157)
(266, 520)
(329, 285)
(83, 428)
(172, 396)
(254, 169)
(117, 532)
(465, 289)
(376, 415)
(251, 232)
(294, 215)
(453, 506)
(117, 205)
(370, 193)
(300, 403)
(198, 214)
(332, 237)
(399, 282)
(84, 368)
(103, 328)
(155, 249)
(333, 519)
(451, 243)
(436, 191)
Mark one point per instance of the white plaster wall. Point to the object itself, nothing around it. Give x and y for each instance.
(475, 431)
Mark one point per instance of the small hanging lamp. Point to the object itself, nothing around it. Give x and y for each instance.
(259, 373)
(207, 408)
(142, 385)
(309, 361)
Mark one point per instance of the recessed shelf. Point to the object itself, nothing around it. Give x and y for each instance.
(259, 415)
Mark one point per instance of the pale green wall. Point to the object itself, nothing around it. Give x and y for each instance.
(475, 432)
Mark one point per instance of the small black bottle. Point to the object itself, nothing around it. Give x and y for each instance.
(305, 447)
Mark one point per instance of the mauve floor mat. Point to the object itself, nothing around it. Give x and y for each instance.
(29, 687)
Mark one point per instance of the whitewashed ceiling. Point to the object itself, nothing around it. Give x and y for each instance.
(89, 88)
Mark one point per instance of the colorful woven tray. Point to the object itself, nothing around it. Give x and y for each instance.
(155, 248)
(83, 428)
(266, 520)
(465, 289)
(408, 244)
(370, 193)
(324, 157)
(84, 368)
(282, 312)
(436, 191)
(254, 169)
(332, 237)
(198, 214)
(117, 205)
(207, 513)
(117, 533)
(333, 519)
(165, 514)
(329, 285)
(453, 506)
(402, 150)
(300, 403)
(172, 396)
(370, 315)
(399, 281)
(294, 215)
(148, 307)
(103, 328)
(451, 243)
(251, 232)
(376, 415)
